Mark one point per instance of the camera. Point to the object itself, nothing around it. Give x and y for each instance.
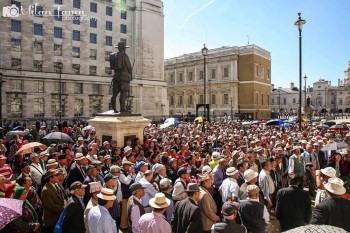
(10, 11)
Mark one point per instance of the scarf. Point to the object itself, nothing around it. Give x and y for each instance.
(18, 193)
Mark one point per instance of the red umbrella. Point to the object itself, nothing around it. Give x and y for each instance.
(339, 127)
(10, 209)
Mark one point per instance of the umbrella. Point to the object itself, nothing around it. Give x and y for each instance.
(170, 121)
(330, 123)
(342, 145)
(10, 134)
(199, 119)
(10, 209)
(330, 146)
(322, 126)
(18, 128)
(58, 136)
(256, 122)
(316, 228)
(29, 148)
(339, 127)
(274, 122)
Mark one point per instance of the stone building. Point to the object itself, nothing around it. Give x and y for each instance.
(80, 34)
(238, 80)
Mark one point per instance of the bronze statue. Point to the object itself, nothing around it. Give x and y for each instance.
(121, 65)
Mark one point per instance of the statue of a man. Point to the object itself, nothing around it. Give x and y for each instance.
(121, 65)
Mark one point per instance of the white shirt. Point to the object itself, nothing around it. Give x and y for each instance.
(100, 221)
(229, 189)
(179, 192)
(36, 172)
(135, 216)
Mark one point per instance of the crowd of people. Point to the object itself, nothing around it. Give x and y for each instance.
(229, 177)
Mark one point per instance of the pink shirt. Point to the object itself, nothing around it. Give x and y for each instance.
(154, 223)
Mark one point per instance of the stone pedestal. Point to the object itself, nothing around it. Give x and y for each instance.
(119, 127)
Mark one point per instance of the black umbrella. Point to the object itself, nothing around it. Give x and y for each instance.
(339, 128)
(329, 123)
(10, 134)
(58, 136)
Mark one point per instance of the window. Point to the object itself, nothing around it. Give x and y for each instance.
(76, 52)
(38, 29)
(76, 68)
(190, 76)
(213, 74)
(96, 107)
(180, 78)
(340, 101)
(92, 70)
(107, 54)
(108, 71)
(262, 71)
(273, 101)
(38, 47)
(76, 19)
(57, 87)
(201, 75)
(76, 4)
(58, 2)
(78, 88)
(93, 38)
(93, 7)
(57, 49)
(109, 40)
(38, 65)
(16, 44)
(171, 100)
(180, 100)
(108, 25)
(57, 15)
(93, 23)
(225, 98)
(190, 100)
(213, 99)
(38, 86)
(16, 63)
(268, 74)
(78, 107)
(76, 35)
(95, 88)
(256, 70)
(109, 11)
(16, 85)
(172, 78)
(201, 99)
(17, 3)
(256, 98)
(39, 106)
(38, 11)
(284, 101)
(93, 54)
(15, 25)
(226, 72)
(294, 101)
(57, 32)
(123, 28)
(16, 107)
(123, 14)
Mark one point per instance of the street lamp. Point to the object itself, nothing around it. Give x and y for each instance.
(162, 106)
(205, 54)
(60, 67)
(1, 82)
(299, 23)
(279, 103)
(305, 91)
(231, 109)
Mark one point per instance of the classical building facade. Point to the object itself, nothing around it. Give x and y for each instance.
(324, 98)
(81, 35)
(238, 80)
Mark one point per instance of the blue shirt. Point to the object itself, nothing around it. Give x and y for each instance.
(100, 221)
(150, 191)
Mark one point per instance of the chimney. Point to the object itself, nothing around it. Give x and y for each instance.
(338, 82)
(291, 85)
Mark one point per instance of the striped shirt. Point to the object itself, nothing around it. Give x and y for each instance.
(6, 171)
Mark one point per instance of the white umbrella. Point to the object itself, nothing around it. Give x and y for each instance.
(170, 121)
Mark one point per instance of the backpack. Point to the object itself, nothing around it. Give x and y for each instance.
(58, 226)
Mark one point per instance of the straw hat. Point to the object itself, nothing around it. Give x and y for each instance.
(106, 194)
(250, 174)
(159, 201)
(335, 186)
(329, 171)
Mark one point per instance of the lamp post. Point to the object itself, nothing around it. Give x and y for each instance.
(60, 67)
(205, 54)
(231, 108)
(325, 101)
(299, 23)
(1, 82)
(279, 103)
(162, 106)
(305, 92)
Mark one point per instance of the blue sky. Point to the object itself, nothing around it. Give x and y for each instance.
(270, 24)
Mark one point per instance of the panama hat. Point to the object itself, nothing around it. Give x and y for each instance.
(106, 194)
(250, 174)
(335, 186)
(329, 171)
(159, 201)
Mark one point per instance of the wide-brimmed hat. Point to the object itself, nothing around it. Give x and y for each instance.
(106, 194)
(297, 147)
(335, 186)
(206, 169)
(159, 201)
(329, 171)
(33, 155)
(95, 186)
(192, 187)
(79, 156)
(250, 174)
(126, 162)
(77, 185)
(121, 45)
(127, 149)
(136, 186)
(231, 171)
(50, 173)
(215, 155)
(52, 162)
(203, 177)
(44, 153)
